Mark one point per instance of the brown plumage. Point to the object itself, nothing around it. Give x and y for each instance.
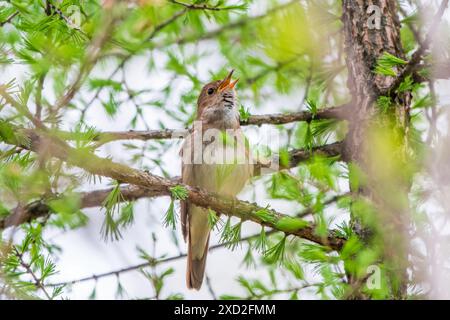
(211, 161)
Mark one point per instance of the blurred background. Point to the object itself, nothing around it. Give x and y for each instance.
(289, 56)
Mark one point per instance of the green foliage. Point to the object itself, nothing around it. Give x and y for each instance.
(261, 241)
(313, 253)
(179, 192)
(423, 102)
(408, 39)
(275, 254)
(9, 134)
(126, 218)
(69, 214)
(386, 64)
(289, 224)
(30, 259)
(158, 279)
(295, 268)
(170, 217)
(110, 228)
(266, 215)
(384, 103)
(288, 58)
(97, 83)
(285, 186)
(231, 235)
(111, 107)
(213, 219)
(244, 113)
(357, 178)
(322, 171)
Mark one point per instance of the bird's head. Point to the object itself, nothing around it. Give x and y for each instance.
(217, 94)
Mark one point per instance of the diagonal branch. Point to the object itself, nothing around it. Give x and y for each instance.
(9, 19)
(155, 262)
(51, 9)
(96, 198)
(91, 58)
(225, 205)
(40, 208)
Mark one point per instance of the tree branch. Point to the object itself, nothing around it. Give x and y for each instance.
(414, 63)
(150, 263)
(40, 208)
(9, 19)
(297, 156)
(90, 199)
(192, 6)
(340, 112)
(155, 31)
(214, 33)
(41, 142)
(37, 281)
(155, 262)
(92, 56)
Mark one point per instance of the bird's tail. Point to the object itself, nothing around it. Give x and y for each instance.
(199, 231)
(196, 269)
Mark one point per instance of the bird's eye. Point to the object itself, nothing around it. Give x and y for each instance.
(210, 91)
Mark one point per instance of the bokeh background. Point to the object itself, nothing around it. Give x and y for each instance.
(288, 56)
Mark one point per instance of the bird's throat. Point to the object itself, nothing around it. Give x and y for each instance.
(221, 117)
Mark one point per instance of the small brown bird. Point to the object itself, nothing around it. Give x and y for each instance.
(216, 158)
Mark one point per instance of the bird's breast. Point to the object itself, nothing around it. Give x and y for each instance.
(222, 161)
(221, 117)
(222, 178)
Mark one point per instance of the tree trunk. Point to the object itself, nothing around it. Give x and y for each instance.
(365, 42)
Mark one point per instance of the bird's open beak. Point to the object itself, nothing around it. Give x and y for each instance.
(227, 83)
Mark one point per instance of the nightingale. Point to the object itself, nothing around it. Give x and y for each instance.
(216, 158)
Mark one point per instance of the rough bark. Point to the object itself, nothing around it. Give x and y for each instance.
(364, 46)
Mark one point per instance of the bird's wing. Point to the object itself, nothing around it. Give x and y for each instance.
(187, 177)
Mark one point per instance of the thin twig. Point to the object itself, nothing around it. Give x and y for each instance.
(182, 255)
(144, 264)
(210, 288)
(233, 25)
(39, 89)
(416, 58)
(27, 267)
(155, 31)
(23, 110)
(93, 54)
(9, 19)
(200, 6)
(280, 291)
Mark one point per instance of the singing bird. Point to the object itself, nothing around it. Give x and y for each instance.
(216, 158)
